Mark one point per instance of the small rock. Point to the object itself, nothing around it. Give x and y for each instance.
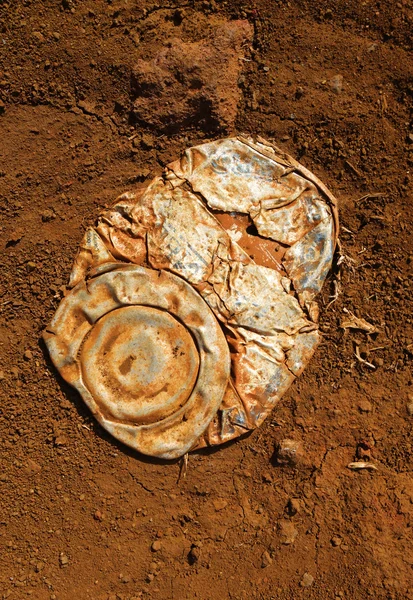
(410, 138)
(31, 266)
(147, 141)
(409, 408)
(88, 107)
(307, 580)
(28, 355)
(56, 35)
(336, 541)
(38, 567)
(98, 515)
(150, 577)
(336, 83)
(288, 532)
(363, 451)
(48, 215)
(38, 36)
(288, 453)
(194, 554)
(2, 107)
(153, 567)
(156, 546)
(60, 440)
(31, 468)
(293, 506)
(219, 504)
(266, 560)
(365, 406)
(63, 560)
(299, 92)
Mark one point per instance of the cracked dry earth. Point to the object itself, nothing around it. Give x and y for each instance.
(83, 517)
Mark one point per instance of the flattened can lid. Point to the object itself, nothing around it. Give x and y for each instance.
(146, 354)
(193, 301)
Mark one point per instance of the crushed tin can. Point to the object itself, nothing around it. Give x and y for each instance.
(192, 301)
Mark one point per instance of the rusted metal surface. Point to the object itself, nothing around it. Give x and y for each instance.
(146, 354)
(196, 339)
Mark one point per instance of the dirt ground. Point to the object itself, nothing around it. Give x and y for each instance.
(80, 515)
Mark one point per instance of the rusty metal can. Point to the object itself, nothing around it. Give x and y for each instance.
(192, 305)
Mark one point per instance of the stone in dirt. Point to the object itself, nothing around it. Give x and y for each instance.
(193, 83)
(288, 532)
(219, 504)
(31, 468)
(307, 580)
(156, 546)
(266, 559)
(288, 453)
(194, 554)
(293, 506)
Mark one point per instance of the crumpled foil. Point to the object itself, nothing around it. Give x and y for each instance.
(192, 305)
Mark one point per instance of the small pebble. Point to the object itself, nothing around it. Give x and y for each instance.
(307, 580)
(363, 451)
(38, 567)
(293, 506)
(288, 532)
(365, 406)
(219, 504)
(267, 478)
(48, 215)
(194, 554)
(147, 141)
(153, 567)
(336, 83)
(63, 560)
(299, 92)
(336, 541)
(60, 440)
(266, 560)
(31, 468)
(288, 453)
(38, 36)
(156, 546)
(28, 355)
(87, 107)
